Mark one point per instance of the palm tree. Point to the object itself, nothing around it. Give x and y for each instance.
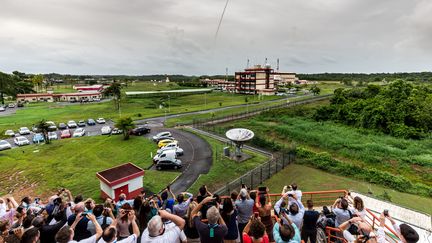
(43, 128)
(126, 124)
(114, 90)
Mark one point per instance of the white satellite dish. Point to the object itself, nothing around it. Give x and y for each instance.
(239, 136)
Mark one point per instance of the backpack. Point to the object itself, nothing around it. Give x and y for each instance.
(353, 229)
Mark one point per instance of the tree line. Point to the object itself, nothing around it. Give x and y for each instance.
(17, 83)
(400, 109)
(371, 77)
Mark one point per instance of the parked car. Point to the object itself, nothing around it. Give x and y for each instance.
(38, 138)
(169, 163)
(116, 131)
(65, 134)
(10, 133)
(105, 130)
(139, 131)
(52, 136)
(2, 108)
(164, 142)
(52, 126)
(96, 99)
(91, 122)
(81, 123)
(164, 155)
(79, 132)
(100, 120)
(158, 136)
(21, 141)
(62, 126)
(72, 124)
(5, 145)
(174, 147)
(35, 129)
(11, 105)
(20, 104)
(24, 131)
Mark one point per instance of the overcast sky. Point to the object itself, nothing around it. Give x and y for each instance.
(178, 36)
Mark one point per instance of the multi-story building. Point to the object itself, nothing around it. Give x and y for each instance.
(255, 80)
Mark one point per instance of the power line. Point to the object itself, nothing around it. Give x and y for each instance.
(220, 21)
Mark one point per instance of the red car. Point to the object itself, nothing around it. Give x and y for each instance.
(66, 134)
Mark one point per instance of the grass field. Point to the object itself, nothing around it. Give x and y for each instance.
(73, 163)
(225, 170)
(310, 179)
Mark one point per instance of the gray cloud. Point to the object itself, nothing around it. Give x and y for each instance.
(167, 36)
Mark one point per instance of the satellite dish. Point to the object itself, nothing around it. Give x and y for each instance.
(239, 136)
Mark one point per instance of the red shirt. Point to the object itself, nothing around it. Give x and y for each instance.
(248, 239)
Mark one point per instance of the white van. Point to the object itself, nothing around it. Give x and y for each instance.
(164, 155)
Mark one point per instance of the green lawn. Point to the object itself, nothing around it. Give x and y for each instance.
(73, 163)
(310, 179)
(225, 170)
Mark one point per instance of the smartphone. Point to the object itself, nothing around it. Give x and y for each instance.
(290, 195)
(385, 212)
(84, 214)
(262, 189)
(243, 186)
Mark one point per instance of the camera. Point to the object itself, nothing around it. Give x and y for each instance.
(385, 212)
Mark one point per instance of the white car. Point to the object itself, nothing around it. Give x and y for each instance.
(4, 145)
(164, 155)
(9, 133)
(106, 130)
(21, 141)
(11, 105)
(178, 150)
(72, 124)
(52, 136)
(79, 132)
(100, 120)
(52, 125)
(24, 131)
(2, 108)
(161, 134)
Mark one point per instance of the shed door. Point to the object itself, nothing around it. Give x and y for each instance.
(123, 189)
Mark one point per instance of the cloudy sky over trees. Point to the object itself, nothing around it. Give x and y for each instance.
(178, 37)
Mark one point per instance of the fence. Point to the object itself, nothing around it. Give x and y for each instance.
(257, 176)
(250, 112)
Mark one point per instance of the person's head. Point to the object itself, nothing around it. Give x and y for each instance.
(89, 204)
(122, 197)
(155, 226)
(98, 210)
(79, 208)
(294, 186)
(180, 198)
(243, 194)
(191, 207)
(309, 204)
(203, 190)
(253, 195)
(27, 222)
(293, 209)
(26, 200)
(64, 235)
(109, 234)
(137, 203)
(286, 232)
(30, 236)
(79, 198)
(344, 204)
(227, 207)
(234, 195)
(262, 200)
(409, 234)
(213, 215)
(164, 195)
(257, 229)
(358, 203)
(38, 221)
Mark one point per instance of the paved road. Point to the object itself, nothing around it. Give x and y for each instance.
(197, 158)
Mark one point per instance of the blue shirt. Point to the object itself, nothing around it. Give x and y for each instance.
(278, 239)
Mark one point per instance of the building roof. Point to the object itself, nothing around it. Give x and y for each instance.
(34, 95)
(78, 94)
(120, 174)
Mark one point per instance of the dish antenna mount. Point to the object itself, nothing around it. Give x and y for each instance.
(239, 136)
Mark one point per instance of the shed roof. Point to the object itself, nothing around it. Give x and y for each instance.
(120, 174)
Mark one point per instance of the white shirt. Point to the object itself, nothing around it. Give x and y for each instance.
(131, 239)
(172, 234)
(88, 240)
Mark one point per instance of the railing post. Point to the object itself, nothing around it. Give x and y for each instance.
(261, 178)
(251, 179)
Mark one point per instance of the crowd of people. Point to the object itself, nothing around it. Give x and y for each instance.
(246, 216)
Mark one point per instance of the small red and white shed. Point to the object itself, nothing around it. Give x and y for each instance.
(126, 178)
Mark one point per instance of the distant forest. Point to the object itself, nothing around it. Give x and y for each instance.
(372, 77)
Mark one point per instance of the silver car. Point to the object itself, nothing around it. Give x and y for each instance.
(21, 141)
(4, 145)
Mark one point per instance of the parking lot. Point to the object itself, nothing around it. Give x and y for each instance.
(90, 131)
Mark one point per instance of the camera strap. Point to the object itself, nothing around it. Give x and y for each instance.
(212, 227)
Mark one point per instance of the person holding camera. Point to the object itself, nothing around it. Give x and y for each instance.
(66, 233)
(8, 233)
(244, 205)
(104, 221)
(405, 232)
(264, 208)
(158, 232)
(109, 235)
(286, 231)
(215, 229)
(309, 227)
(295, 211)
(255, 231)
(341, 210)
(182, 205)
